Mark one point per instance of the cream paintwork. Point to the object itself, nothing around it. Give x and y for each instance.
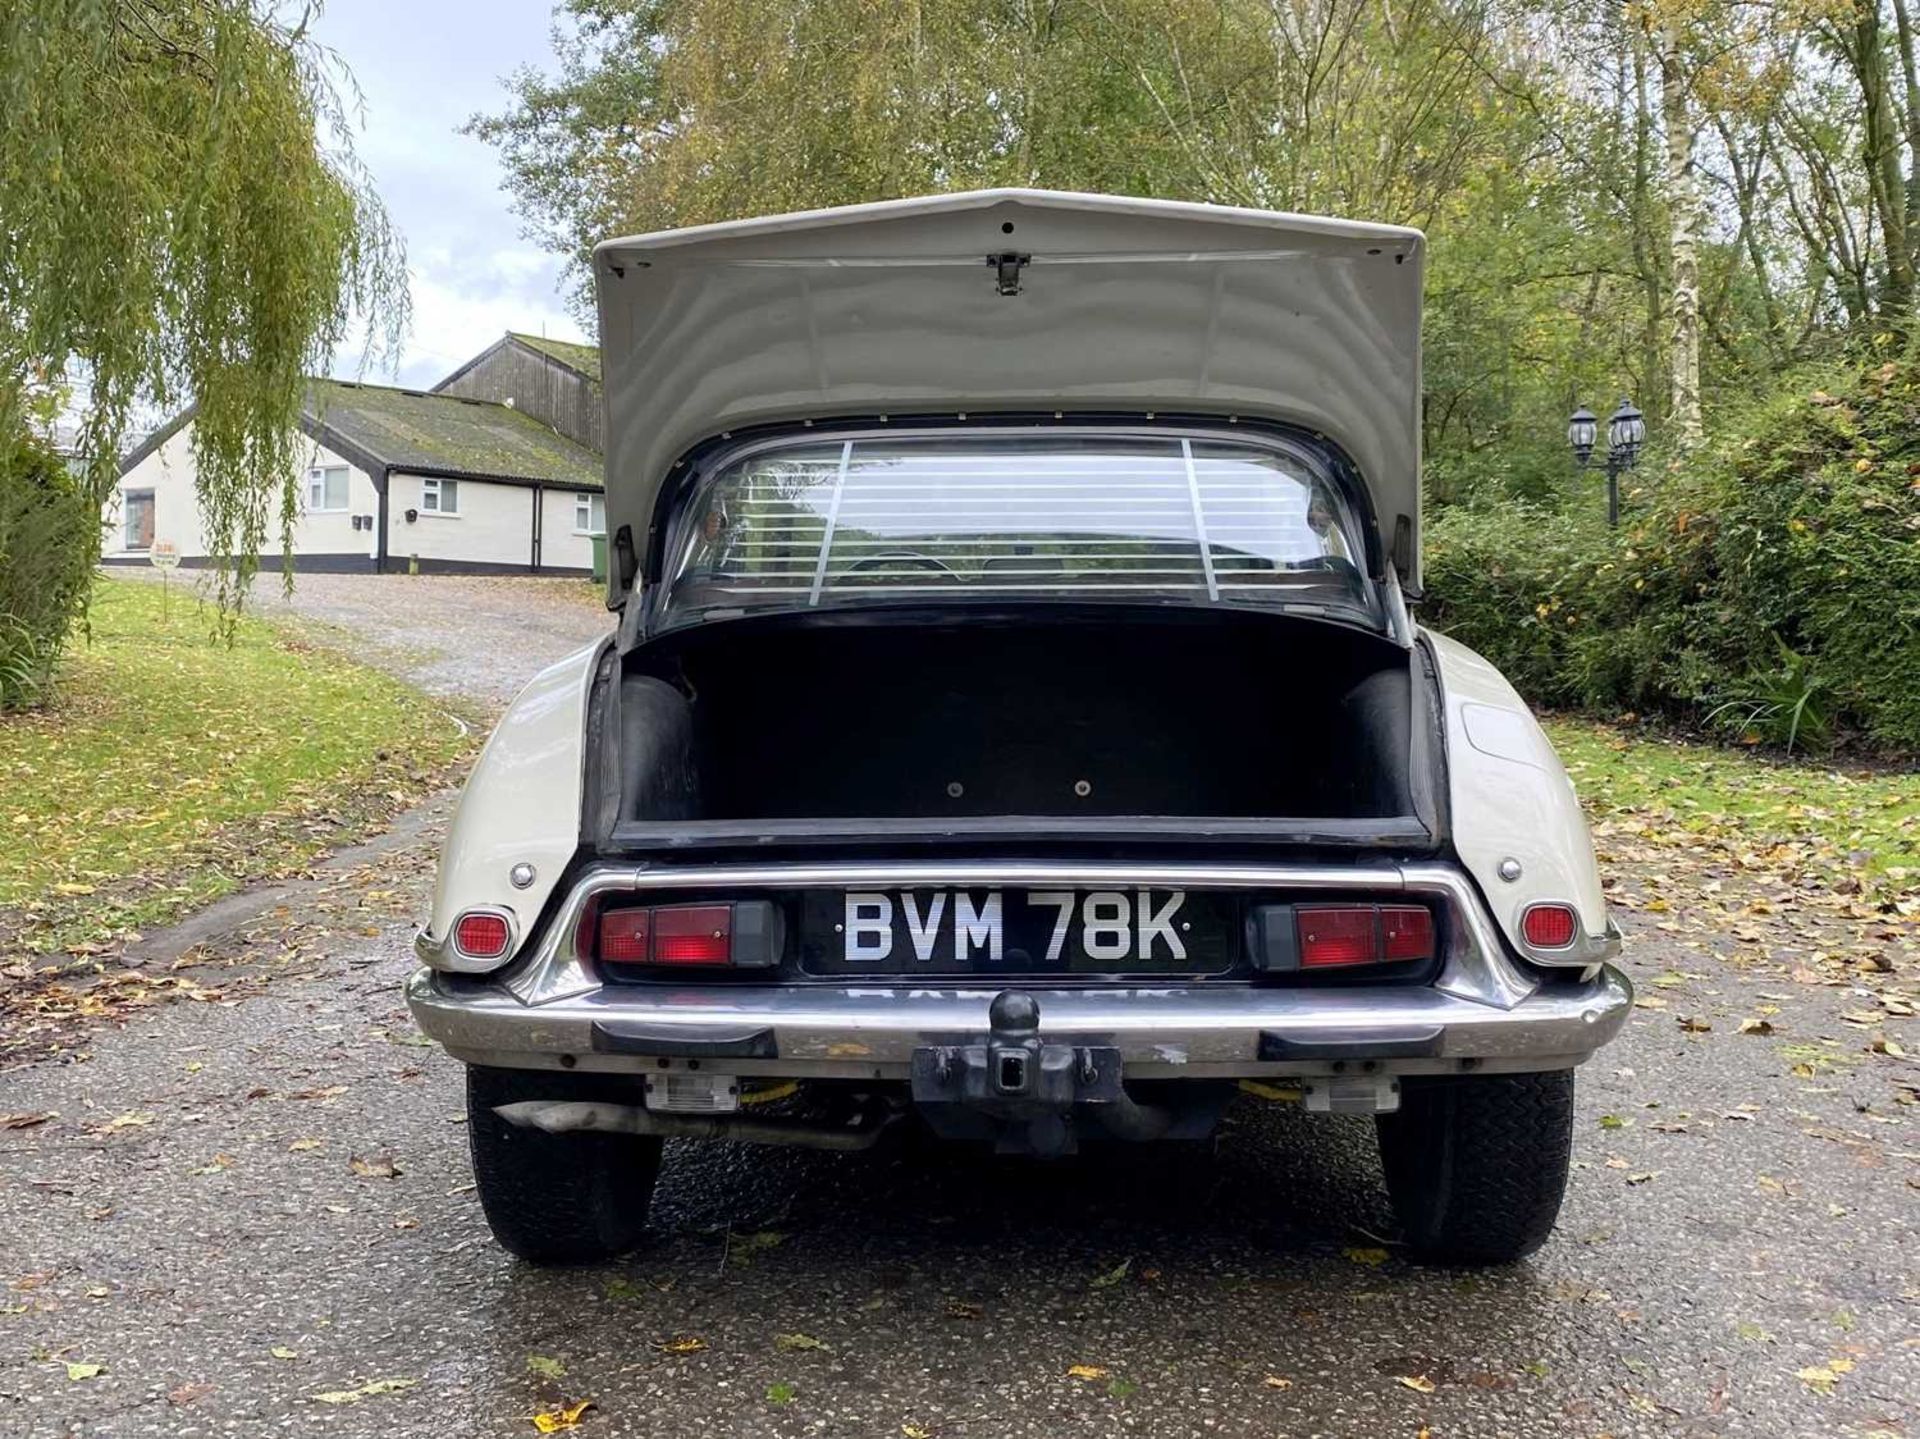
(1511, 799)
(522, 802)
(1126, 305)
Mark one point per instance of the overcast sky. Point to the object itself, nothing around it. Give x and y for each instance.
(425, 66)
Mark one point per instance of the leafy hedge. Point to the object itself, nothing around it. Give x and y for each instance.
(1781, 568)
(46, 552)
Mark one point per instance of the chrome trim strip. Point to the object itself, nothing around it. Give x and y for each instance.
(1476, 966)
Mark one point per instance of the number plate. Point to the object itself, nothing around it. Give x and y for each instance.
(1015, 931)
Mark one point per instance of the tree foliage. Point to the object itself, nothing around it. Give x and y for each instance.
(1542, 144)
(183, 222)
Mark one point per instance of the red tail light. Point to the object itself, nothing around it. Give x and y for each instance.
(693, 934)
(1332, 936)
(482, 934)
(667, 934)
(624, 934)
(1406, 932)
(1550, 926)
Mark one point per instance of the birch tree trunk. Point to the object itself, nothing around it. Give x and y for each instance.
(1683, 211)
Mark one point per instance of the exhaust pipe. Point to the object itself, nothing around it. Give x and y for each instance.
(565, 1116)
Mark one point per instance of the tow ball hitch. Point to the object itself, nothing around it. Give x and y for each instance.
(1017, 1089)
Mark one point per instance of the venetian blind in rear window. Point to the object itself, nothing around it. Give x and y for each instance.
(937, 518)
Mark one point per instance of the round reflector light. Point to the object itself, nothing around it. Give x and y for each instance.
(482, 934)
(1550, 926)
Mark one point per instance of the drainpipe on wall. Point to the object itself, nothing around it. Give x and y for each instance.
(380, 544)
(539, 517)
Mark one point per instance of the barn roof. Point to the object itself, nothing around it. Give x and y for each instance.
(419, 430)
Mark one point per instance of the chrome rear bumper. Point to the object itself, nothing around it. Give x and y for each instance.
(871, 1032)
(1483, 1011)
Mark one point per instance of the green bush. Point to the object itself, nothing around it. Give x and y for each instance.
(47, 536)
(1783, 560)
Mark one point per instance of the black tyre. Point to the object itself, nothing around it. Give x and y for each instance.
(1477, 1165)
(556, 1198)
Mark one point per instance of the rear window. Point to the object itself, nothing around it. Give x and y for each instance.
(937, 518)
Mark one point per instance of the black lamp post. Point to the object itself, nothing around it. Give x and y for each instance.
(1626, 431)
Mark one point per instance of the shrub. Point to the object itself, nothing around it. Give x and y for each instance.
(47, 535)
(1797, 536)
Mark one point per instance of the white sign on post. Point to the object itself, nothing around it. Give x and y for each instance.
(164, 556)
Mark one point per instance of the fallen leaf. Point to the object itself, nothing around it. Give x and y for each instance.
(280, 1351)
(742, 1247)
(1112, 1277)
(1614, 1121)
(1644, 1177)
(546, 1368)
(1820, 1378)
(187, 1393)
(301, 1146)
(138, 1119)
(1755, 1026)
(1372, 1258)
(796, 1341)
(365, 1391)
(685, 1344)
(552, 1421)
(1419, 1383)
(916, 1431)
(76, 1372)
(26, 1121)
(1088, 1372)
(1274, 1381)
(376, 1166)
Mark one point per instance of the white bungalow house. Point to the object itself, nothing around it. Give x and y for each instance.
(473, 475)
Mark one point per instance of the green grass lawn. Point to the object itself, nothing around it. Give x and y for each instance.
(173, 767)
(1834, 820)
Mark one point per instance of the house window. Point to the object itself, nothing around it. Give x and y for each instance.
(138, 519)
(326, 488)
(440, 497)
(589, 514)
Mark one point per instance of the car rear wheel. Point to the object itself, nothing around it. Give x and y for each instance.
(556, 1198)
(1477, 1164)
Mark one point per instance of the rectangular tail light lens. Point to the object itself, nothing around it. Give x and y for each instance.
(1406, 932)
(693, 934)
(625, 935)
(746, 934)
(1333, 936)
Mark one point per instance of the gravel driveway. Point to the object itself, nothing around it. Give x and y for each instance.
(253, 1214)
(468, 636)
